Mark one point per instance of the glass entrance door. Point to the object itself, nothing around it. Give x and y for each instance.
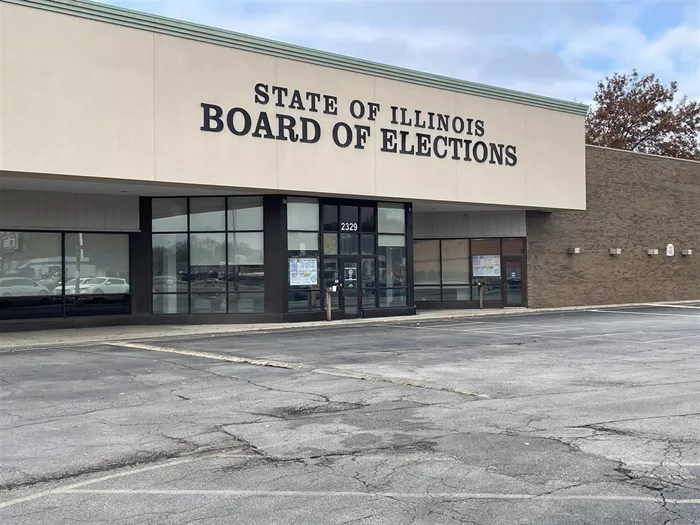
(513, 285)
(351, 288)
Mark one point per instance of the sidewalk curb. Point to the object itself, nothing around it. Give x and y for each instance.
(82, 336)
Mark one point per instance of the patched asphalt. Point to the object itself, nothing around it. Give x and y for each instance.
(559, 418)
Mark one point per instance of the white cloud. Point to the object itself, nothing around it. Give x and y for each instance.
(559, 49)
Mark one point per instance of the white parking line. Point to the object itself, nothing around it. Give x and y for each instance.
(612, 334)
(336, 372)
(482, 330)
(407, 495)
(640, 313)
(668, 339)
(75, 486)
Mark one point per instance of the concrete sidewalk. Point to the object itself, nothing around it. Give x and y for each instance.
(41, 338)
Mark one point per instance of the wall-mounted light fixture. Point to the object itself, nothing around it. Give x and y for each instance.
(615, 251)
(574, 250)
(687, 252)
(652, 251)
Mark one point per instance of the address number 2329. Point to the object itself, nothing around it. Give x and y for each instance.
(348, 226)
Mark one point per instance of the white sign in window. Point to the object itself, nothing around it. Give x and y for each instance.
(486, 265)
(303, 271)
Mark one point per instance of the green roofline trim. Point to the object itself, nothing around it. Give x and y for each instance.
(168, 26)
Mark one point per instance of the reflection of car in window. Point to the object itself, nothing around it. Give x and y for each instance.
(104, 285)
(21, 287)
(70, 286)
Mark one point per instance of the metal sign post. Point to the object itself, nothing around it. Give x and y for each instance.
(328, 304)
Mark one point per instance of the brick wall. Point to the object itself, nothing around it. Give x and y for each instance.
(634, 202)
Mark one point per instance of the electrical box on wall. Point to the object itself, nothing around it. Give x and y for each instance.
(615, 251)
(574, 250)
(652, 251)
(686, 252)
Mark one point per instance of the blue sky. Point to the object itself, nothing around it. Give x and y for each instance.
(560, 48)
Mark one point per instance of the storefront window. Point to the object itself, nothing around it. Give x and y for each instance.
(367, 220)
(245, 214)
(392, 270)
(392, 218)
(63, 274)
(218, 266)
(486, 267)
(427, 293)
(330, 244)
(302, 214)
(455, 261)
(513, 247)
(426, 256)
(303, 254)
(207, 214)
(97, 269)
(462, 264)
(391, 254)
(245, 274)
(169, 215)
(207, 273)
(31, 273)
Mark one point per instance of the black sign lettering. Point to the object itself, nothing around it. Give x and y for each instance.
(263, 125)
(480, 152)
(330, 105)
(496, 154)
(357, 109)
(456, 145)
(467, 150)
(388, 140)
(261, 96)
(281, 92)
(285, 128)
(424, 146)
(307, 123)
(215, 117)
(230, 120)
(419, 123)
(361, 134)
(511, 158)
(458, 125)
(313, 98)
(347, 131)
(442, 140)
(454, 142)
(394, 109)
(404, 138)
(373, 110)
(296, 102)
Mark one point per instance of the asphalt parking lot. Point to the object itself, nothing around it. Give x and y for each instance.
(586, 417)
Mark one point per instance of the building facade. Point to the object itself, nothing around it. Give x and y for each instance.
(156, 171)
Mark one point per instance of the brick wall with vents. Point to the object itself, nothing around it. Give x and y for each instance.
(634, 202)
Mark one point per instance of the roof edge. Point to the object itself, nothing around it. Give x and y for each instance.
(630, 152)
(168, 26)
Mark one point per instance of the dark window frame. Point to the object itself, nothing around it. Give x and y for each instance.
(188, 232)
(71, 231)
(470, 286)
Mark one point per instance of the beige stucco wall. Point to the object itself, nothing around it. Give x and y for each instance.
(86, 98)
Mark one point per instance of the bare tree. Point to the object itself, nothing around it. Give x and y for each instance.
(638, 114)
